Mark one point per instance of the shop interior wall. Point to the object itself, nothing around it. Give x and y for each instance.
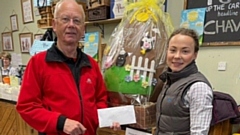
(208, 57)
(9, 7)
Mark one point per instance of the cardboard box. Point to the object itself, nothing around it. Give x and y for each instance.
(44, 10)
(43, 23)
(98, 13)
(47, 16)
(145, 116)
(96, 3)
(109, 131)
(116, 8)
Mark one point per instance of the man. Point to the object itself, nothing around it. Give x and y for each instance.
(63, 87)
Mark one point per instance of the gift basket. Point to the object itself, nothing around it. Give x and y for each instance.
(135, 56)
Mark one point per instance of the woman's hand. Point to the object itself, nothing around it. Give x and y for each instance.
(115, 126)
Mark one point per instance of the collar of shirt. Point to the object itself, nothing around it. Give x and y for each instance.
(6, 71)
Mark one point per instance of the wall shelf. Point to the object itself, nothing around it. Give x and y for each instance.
(100, 23)
(117, 20)
(45, 27)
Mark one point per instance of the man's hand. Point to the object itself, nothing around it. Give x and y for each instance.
(73, 127)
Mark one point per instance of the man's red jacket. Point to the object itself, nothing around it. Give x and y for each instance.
(49, 91)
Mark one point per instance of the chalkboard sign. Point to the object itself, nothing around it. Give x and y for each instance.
(222, 21)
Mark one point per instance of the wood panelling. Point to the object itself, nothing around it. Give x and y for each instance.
(10, 121)
(12, 124)
(222, 128)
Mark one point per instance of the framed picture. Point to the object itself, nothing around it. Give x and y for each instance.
(14, 22)
(25, 40)
(38, 36)
(7, 41)
(27, 11)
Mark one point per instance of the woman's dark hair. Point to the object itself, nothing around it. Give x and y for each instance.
(187, 32)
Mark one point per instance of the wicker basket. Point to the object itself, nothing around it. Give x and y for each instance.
(99, 13)
(145, 116)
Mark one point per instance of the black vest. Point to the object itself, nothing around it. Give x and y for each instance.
(173, 117)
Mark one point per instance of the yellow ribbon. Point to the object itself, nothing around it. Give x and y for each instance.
(168, 23)
(144, 9)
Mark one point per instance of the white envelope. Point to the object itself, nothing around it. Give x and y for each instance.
(130, 131)
(122, 114)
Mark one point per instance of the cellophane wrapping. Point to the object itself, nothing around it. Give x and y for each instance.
(136, 53)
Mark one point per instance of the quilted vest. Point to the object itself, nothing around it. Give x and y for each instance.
(173, 117)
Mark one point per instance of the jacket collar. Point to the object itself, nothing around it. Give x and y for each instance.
(55, 55)
(174, 76)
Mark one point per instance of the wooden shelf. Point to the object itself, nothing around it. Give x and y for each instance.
(103, 21)
(100, 23)
(117, 20)
(45, 27)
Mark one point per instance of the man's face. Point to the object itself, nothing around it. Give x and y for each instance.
(69, 24)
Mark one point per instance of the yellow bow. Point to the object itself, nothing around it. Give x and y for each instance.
(144, 9)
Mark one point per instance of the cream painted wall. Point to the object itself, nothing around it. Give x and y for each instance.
(7, 8)
(227, 81)
(208, 57)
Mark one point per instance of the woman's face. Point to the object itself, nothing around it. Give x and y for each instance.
(6, 62)
(180, 52)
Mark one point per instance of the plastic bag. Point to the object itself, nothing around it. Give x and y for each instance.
(42, 3)
(136, 54)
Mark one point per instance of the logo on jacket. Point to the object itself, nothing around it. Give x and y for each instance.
(89, 81)
(169, 100)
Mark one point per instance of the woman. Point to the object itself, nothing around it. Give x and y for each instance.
(7, 69)
(62, 86)
(184, 106)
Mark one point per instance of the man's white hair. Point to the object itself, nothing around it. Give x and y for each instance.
(59, 4)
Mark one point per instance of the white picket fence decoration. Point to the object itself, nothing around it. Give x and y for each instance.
(145, 69)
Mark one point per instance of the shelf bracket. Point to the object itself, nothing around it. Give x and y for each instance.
(101, 27)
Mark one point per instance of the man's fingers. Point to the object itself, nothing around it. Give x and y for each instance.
(82, 128)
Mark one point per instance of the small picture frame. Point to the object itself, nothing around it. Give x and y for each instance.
(25, 40)
(38, 36)
(7, 41)
(27, 11)
(14, 22)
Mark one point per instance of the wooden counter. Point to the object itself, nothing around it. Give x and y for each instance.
(10, 121)
(222, 128)
(108, 131)
(12, 124)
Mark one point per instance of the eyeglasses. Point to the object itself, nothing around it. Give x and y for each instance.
(66, 20)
